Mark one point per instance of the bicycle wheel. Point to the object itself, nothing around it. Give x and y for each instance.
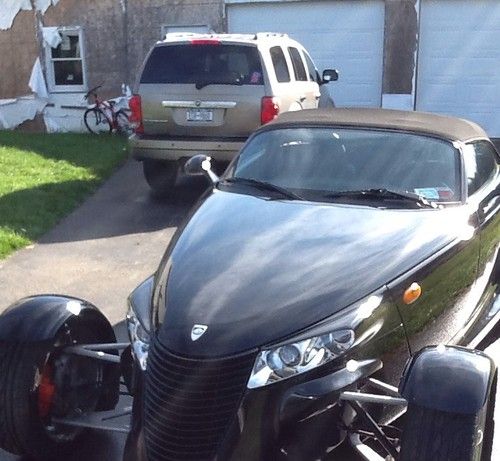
(122, 123)
(96, 121)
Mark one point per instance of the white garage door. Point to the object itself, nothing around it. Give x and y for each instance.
(459, 60)
(346, 35)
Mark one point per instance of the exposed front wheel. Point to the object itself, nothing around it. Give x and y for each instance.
(39, 383)
(161, 176)
(434, 435)
(451, 395)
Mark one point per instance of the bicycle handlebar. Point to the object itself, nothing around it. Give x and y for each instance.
(92, 91)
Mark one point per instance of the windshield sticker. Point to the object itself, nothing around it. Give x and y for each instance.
(445, 193)
(435, 193)
(428, 192)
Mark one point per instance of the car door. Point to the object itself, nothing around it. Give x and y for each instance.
(446, 280)
(321, 92)
(283, 85)
(307, 90)
(482, 164)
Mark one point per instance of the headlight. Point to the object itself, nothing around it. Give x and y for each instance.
(291, 359)
(139, 320)
(139, 337)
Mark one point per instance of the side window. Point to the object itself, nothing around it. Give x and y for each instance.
(311, 69)
(298, 65)
(65, 59)
(481, 164)
(280, 65)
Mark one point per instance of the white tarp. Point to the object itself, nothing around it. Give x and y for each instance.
(65, 113)
(42, 5)
(13, 112)
(37, 81)
(51, 36)
(9, 10)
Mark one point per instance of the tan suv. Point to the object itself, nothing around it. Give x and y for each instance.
(207, 93)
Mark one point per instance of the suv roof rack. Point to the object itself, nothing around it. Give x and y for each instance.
(270, 35)
(186, 35)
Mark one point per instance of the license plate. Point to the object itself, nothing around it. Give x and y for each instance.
(199, 115)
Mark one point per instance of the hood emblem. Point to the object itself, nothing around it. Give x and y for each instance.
(198, 331)
(198, 103)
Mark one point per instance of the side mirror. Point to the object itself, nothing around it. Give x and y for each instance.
(200, 165)
(330, 75)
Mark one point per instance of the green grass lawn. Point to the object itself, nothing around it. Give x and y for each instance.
(45, 176)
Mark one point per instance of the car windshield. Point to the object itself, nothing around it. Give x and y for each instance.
(321, 163)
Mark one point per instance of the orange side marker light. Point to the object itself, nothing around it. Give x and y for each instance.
(412, 293)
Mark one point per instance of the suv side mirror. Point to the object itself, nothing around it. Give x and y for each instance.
(200, 165)
(330, 75)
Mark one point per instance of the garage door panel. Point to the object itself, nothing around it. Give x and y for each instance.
(345, 35)
(459, 55)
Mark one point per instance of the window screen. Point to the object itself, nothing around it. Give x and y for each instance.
(66, 60)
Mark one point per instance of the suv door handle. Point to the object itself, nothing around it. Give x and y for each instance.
(302, 98)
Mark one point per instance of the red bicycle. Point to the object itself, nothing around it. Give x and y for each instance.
(103, 117)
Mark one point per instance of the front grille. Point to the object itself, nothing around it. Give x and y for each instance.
(190, 403)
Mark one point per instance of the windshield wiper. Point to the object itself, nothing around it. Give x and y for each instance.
(203, 84)
(264, 186)
(383, 194)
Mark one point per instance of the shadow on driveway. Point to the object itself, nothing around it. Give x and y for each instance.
(123, 205)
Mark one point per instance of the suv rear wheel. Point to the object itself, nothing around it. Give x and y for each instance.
(161, 176)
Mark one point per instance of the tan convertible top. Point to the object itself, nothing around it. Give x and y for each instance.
(451, 128)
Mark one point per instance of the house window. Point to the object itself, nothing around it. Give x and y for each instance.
(66, 63)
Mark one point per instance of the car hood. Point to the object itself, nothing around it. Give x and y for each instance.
(255, 270)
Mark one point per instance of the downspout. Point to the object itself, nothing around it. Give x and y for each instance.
(126, 72)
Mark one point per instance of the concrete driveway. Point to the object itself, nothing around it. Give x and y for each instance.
(100, 253)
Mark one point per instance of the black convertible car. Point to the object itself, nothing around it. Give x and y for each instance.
(334, 286)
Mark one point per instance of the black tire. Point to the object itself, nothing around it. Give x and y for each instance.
(433, 435)
(489, 429)
(123, 124)
(161, 176)
(96, 121)
(26, 426)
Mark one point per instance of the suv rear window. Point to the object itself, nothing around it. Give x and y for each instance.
(186, 63)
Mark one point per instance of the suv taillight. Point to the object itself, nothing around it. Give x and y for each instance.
(135, 117)
(269, 109)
